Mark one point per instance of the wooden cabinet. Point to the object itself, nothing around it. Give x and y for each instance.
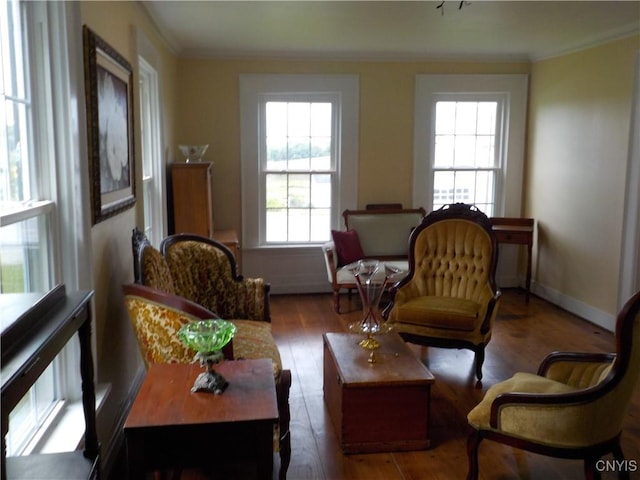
(36, 329)
(192, 198)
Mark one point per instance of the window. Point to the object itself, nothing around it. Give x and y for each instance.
(299, 157)
(469, 141)
(152, 160)
(465, 159)
(299, 171)
(42, 226)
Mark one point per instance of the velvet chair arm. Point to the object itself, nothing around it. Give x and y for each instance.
(580, 370)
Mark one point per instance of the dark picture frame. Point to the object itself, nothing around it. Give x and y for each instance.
(109, 102)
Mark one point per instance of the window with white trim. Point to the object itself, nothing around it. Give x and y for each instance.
(469, 141)
(298, 170)
(39, 150)
(466, 162)
(299, 156)
(152, 160)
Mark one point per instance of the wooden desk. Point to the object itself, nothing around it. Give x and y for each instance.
(518, 231)
(380, 407)
(39, 327)
(170, 427)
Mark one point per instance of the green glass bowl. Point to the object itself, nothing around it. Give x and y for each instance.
(207, 336)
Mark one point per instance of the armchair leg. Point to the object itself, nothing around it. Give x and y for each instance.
(336, 300)
(282, 391)
(590, 470)
(473, 443)
(479, 360)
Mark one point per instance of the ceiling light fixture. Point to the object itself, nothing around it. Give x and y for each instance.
(441, 5)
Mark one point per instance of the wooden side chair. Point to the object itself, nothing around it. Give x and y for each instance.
(574, 407)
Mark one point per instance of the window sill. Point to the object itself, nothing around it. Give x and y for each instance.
(65, 431)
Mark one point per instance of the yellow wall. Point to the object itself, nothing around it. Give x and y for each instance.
(118, 360)
(579, 115)
(208, 112)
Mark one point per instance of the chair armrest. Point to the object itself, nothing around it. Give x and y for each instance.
(170, 300)
(330, 260)
(578, 369)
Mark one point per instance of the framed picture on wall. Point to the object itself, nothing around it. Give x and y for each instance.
(109, 100)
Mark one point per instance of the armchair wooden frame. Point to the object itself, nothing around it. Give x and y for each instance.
(625, 325)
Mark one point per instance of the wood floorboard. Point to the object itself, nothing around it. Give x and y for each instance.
(523, 335)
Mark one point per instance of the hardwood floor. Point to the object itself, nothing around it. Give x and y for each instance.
(522, 336)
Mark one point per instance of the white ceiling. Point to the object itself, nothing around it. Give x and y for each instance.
(377, 30)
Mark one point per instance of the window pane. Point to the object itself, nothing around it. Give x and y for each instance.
(25, 256)
(445, 118)
(321, 191)
(320, 153)
(320, 224)
(276, 119)
(299, 191)
(487, 118)
(299, 119)
(298, 153)
(276, 191)
(466, 118)
(298, 225)
(276, 230)
(444, 151)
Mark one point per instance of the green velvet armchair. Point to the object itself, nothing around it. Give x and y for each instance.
(573, 408)
(449, 297)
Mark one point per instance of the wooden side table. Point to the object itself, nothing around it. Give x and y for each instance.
(518, 231)
(171, 427)
(380, 407)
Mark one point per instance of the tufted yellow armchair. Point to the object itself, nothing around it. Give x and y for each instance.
(449, 297)
(573, 408)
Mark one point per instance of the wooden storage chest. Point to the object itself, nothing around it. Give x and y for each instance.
(376, 407)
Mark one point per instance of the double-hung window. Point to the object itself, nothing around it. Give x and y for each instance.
(299, 149)
(152, 159)
(43, 227)
(298, 169)
(469, 141)
(466, 153)
(299, 156)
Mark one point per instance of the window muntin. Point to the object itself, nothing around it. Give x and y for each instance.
(466, 161)
(299, 171)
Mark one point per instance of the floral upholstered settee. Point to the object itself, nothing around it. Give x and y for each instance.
(196, 277)
(381, 234)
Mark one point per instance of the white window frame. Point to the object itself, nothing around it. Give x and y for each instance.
(153, 190)
(255, 90)
(59, 148)
(512, 90)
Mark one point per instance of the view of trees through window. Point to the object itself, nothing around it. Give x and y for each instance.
(299, 171)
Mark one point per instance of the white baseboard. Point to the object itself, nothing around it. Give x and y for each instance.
(577, 307)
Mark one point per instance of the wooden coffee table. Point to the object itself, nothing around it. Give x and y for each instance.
(170, 427)
(376, 407)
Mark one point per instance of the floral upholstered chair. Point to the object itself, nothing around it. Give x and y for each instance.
(157, 316)
(172, 296)
(205, 272)
(574, 407)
